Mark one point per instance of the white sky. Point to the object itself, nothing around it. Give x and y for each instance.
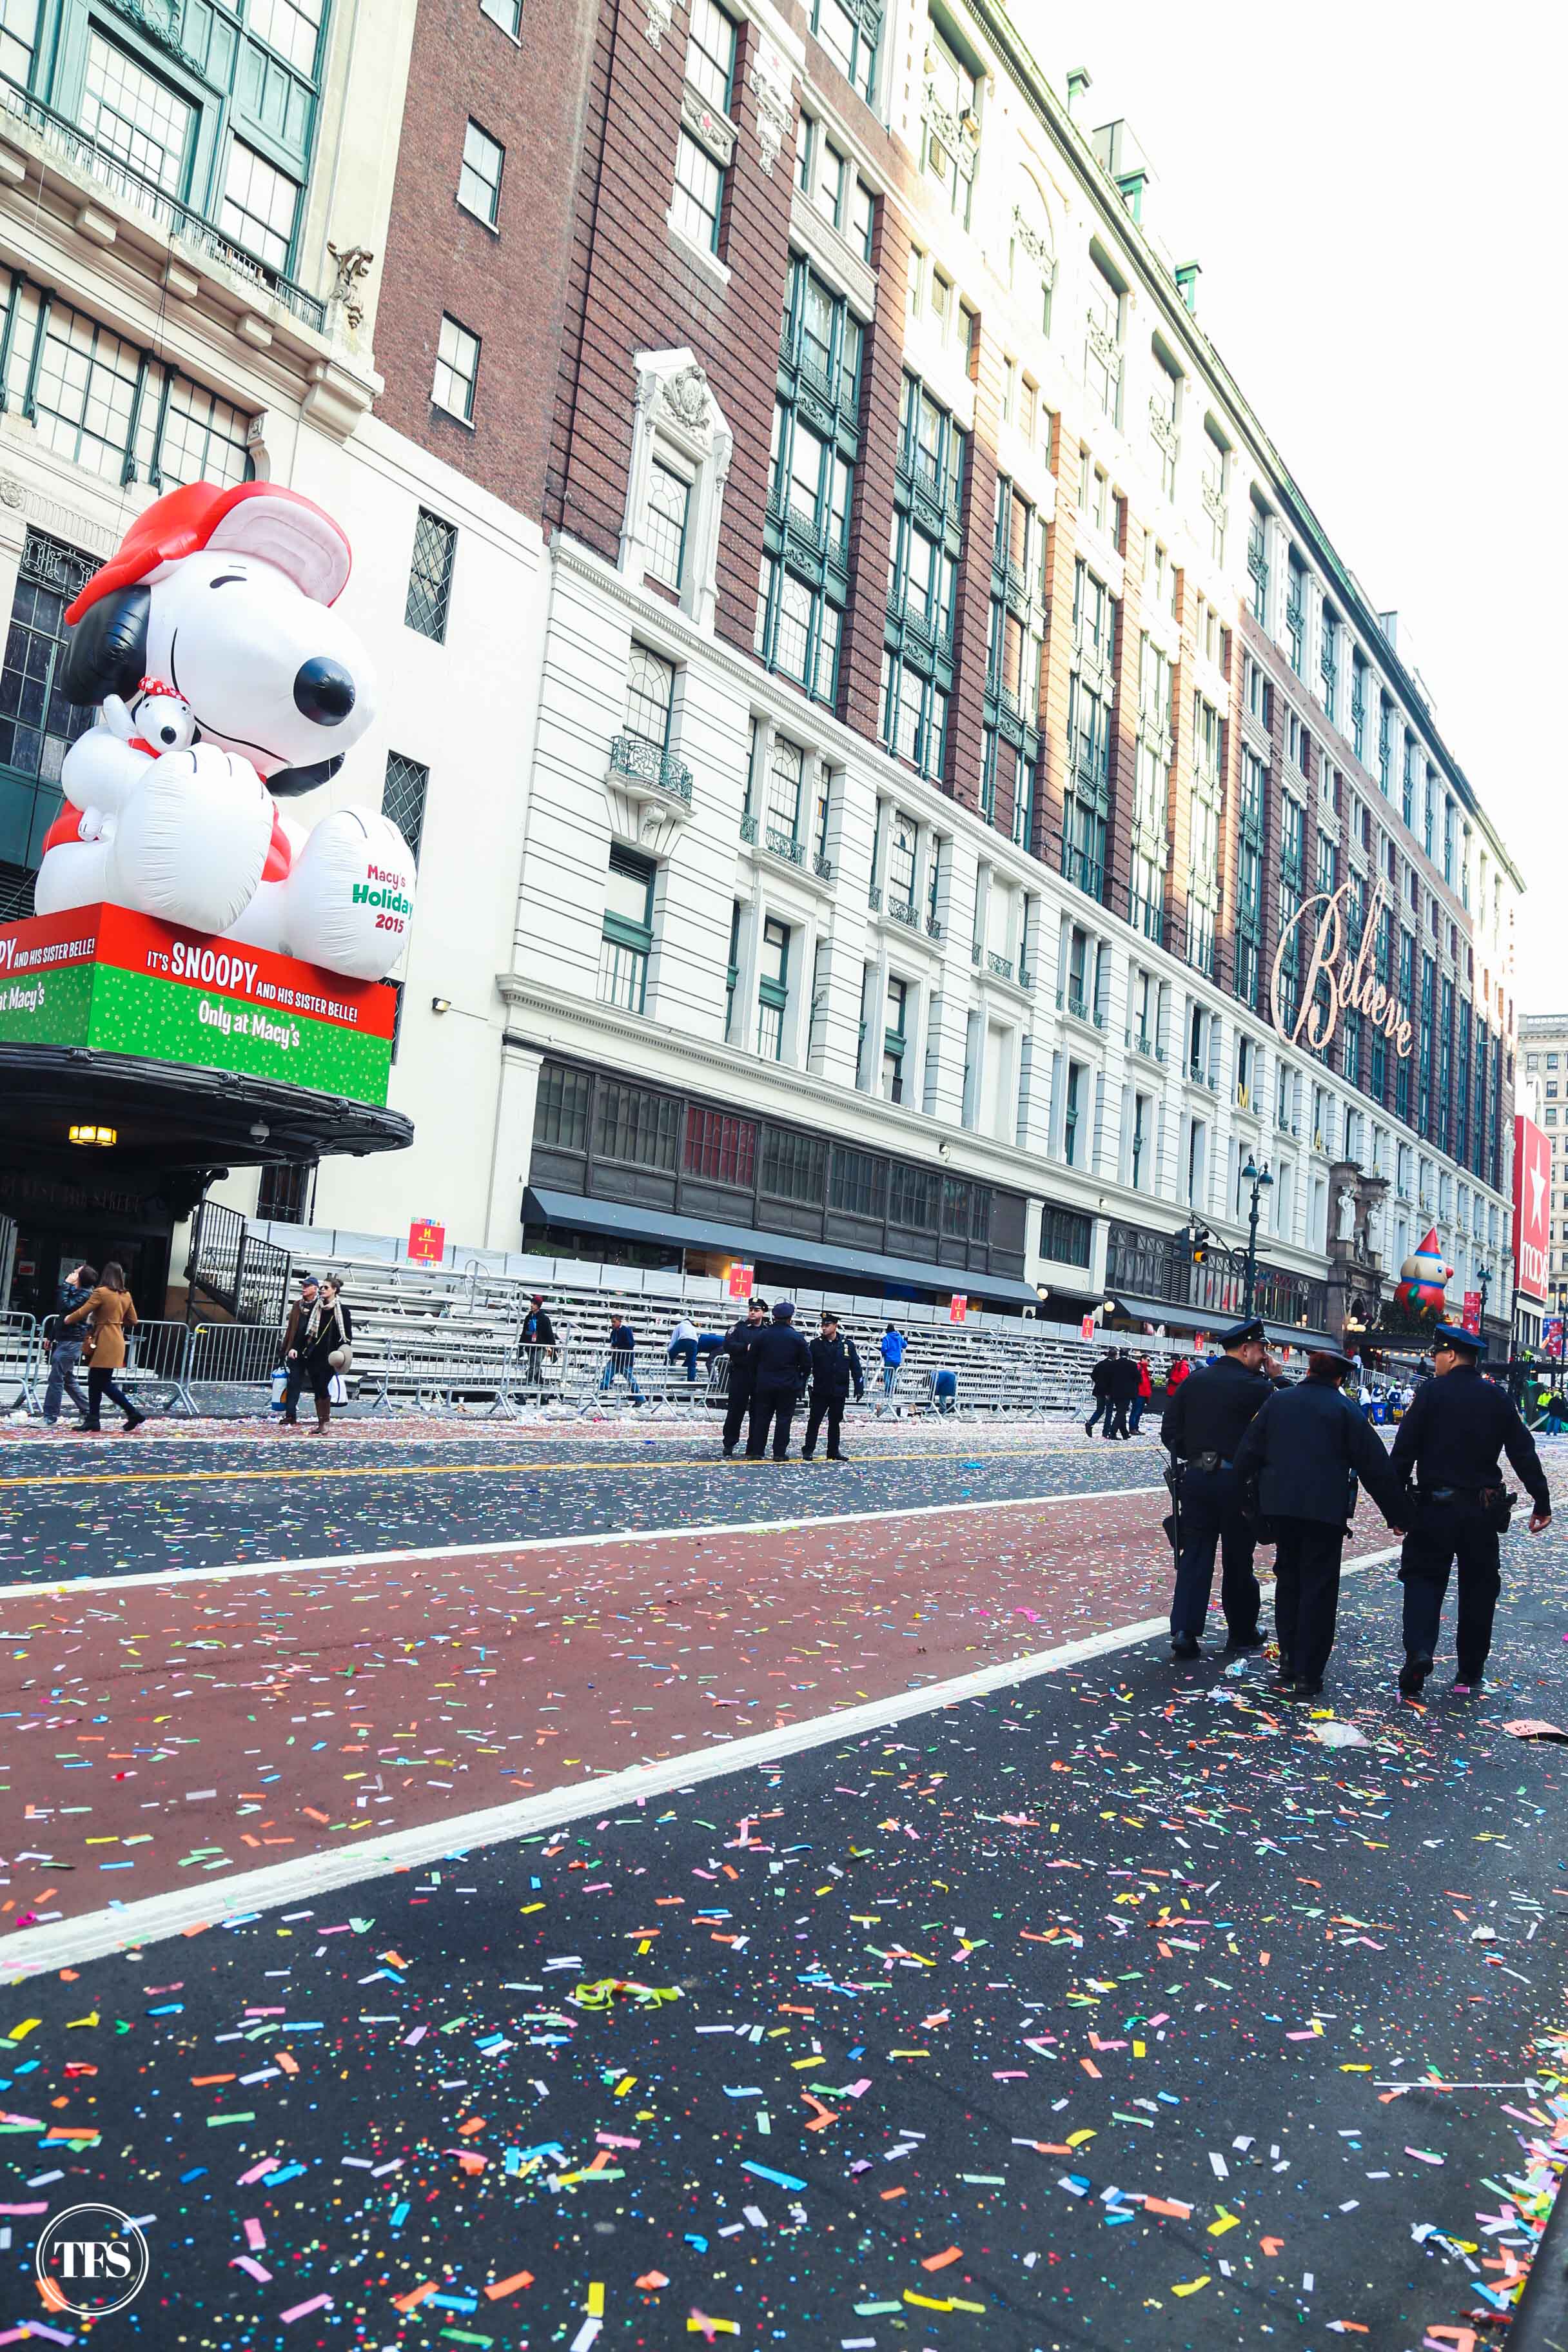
(1372, 192)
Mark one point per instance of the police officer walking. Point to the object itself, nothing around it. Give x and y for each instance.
(1450, 1439)
(1306, 1450)
(738, 1342)
(1204, 1424)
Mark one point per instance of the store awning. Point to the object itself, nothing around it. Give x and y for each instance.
(576, 1213)
(1213, 1320)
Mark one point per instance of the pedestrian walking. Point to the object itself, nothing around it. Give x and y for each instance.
(893, 1346)
(781, 1366)
(109, 1313)
(1121, 1389)
(1144, 1397)
(1554, 1412)
(1099, 1388)
(1180, 1373)
(834, 1368)
(1450, 1441)
(290, 1357)
(535, 1341)
(1304, 1453)
(621, 1361)
(1203, 1426)
(66, 1347)
(325, 1347)
(738, 1342)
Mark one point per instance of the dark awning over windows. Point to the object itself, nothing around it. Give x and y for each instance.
(576, 1213)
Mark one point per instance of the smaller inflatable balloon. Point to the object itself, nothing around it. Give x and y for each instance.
(1423, 1280)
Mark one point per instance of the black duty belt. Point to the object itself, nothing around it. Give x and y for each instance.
(1210, 1459)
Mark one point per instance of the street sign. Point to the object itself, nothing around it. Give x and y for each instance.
(426, 1241)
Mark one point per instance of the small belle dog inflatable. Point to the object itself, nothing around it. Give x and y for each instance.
(227, 684)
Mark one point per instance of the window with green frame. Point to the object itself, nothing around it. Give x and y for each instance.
(627, 940)
(183, 109)
(804, 585)
(108, 405)
(772, 989)
(849, 30)
(915, 717)
(926, 549)
(37, 725)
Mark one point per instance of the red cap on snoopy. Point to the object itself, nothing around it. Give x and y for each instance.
(260, 518)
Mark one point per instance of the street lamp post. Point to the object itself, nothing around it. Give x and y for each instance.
(1261, 1181)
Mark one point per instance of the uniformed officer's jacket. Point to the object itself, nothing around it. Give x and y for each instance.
(1454, 1432)
(781, 1360)
(1209, 1413)
(1307, 1446)
(738, 1342)
(835, 1367)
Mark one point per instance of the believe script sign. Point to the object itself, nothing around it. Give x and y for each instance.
(1350, 987)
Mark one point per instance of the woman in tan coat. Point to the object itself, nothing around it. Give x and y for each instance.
(111, 1316)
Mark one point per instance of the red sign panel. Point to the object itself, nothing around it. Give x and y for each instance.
(1472, 1311)
(426, 1241)
(1531, 1205)
(741, 1279)
(1086, 1328)
(959, 1307)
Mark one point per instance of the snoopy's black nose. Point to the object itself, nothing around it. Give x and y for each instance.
(169, 734)
(325, 692)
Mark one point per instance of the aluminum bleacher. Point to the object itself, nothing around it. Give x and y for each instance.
(446, 1338)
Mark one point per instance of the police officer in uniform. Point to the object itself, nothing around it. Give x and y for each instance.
(739, 1344)
(1204, 1422)
(1306, 1450)
(1450, 1439)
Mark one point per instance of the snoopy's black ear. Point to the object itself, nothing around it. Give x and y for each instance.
(106, 653)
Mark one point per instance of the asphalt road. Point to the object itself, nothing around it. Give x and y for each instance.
(1108, 2012)
(166, 1499)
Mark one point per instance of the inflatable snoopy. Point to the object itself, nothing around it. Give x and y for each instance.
(227, 685)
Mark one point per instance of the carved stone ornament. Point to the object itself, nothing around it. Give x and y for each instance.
(716, 131)
(1035, 245)
(660, 17)
(773, 86)
(687, 397)
(12, 493)
(352, 264)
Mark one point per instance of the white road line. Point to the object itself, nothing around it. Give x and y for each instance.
(683, 1534)
(33, 1951)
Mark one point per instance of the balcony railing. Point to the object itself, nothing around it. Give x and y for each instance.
(1000, 964)
(65, 139)
(901, 911)
(874, 897)
(822, 865)
(934, 928)
(631, 755)
(784, 845)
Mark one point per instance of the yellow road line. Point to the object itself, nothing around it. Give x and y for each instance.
(313, 1472)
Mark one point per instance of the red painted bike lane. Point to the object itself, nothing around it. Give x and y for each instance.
(165, 1734)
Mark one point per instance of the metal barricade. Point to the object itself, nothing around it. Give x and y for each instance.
(20, 1352)
(157, 1356)
(237, 1359)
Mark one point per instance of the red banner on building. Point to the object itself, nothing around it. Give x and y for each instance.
(1532, 1206)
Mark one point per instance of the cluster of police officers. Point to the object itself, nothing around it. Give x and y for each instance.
(771, 1364)
(1256, 1460)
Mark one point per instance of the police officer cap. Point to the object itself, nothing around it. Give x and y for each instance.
(1240, 1334)
(1453, 1335)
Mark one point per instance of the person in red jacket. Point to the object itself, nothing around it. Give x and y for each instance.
(1145, 1393)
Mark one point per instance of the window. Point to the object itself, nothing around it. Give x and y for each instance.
(914, 1198)
(507, 13)
(84, 393)
(561, 1107)
(429, 596)
(1328, 667)
(634, 1125)
(204, 439)
(952, 124)
(772, 989)
(781, 815)
(893, 1040)
(1259, 697)
(669, 513)
(719, 1147)
(862, 219)
(794, 1166)
(915, 717)
(804, 578)
(1071, 1114)
(284, 1195)
(902, 843)
(1023, 779)
(1066, 1235)
(1031, 252)
(858, 1182)
(132, 115)
(628, 933)
(1216, 472)
(1162, 421)
(710, 53)
(1258, 563)
(403, 796)
(479, 180)
(37, 725)
(698, 193)
(1296, 615)
(849, 33)
(650, 696)
(1086, 804)
(456, 370)
(1102, 348)
(259, 204)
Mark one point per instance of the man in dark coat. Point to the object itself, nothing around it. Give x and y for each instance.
(65, 1347)
(1451, 1438)
(1306, 1450)
(1201, 1428)
(781, 1366)
(538, 1334)
(738, 1342)
(1099, 1387)
(1122, 1388)
(834, 1365)
(292, 1354)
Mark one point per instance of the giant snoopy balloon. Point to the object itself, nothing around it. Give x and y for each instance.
(229, 684)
